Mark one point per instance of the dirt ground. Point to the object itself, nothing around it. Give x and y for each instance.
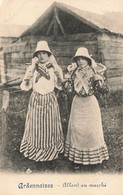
(112, 118)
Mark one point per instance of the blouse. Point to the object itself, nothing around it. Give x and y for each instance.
(39, 81)
(43, 85)
(83, 81)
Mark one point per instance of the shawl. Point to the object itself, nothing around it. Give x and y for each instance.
(27, 82)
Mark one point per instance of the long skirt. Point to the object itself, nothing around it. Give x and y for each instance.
(43, 137)
(85, 141)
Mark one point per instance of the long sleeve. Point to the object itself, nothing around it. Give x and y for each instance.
(26, 84)
(101, 84)
(68, 86)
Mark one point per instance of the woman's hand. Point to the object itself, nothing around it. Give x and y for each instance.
(27, 82)
(67, 76)
(34, 61)
(98, 77)
(64, 80)
(99, 80)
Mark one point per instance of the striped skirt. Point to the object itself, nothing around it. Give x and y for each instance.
(85, 141)
(43, 137)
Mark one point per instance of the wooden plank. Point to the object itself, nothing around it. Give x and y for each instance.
(70, 52)
(63, 60)
(106, 37)
(74, 37)
(113, 50)
(16, 73)
(19, 44)
(4, 131)
(50, 26)
(113, 44)
(108, 44)
(115, 87)
(55, 27)
(32, 47)
(35, 39)
(114, 72)
(72, 43)
(111, 64)
(5, 104)
(81, 36)
(112, 56)
(32, 38)
(115, 80)
(58, 20)
(28, 55)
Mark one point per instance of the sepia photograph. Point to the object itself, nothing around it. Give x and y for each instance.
(61, 97)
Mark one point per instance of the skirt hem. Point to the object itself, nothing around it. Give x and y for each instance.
(38, 154)
(87, 156)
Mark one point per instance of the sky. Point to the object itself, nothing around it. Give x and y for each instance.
(25, 12)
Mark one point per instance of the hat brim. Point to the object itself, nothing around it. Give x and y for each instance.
(88, 58)
(35, 53)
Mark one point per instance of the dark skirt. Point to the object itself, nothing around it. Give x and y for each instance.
(43, 137)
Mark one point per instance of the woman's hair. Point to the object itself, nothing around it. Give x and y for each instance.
(49, 54)
(87, 59)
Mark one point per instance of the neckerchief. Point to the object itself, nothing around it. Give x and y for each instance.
(42, 71)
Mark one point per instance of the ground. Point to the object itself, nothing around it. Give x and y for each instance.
(111, 110)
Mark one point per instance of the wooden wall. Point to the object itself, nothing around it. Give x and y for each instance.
(107, 49)
(63, 48)
(110, 51)
(6, 40)
(14, 61)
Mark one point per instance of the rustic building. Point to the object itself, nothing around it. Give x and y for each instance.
(8, 34)
(66, 28)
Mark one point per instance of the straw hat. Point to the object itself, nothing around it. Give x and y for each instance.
(82, 52)
(42, 46)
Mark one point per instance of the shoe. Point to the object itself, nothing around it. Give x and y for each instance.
(28, 171)
(76, 167)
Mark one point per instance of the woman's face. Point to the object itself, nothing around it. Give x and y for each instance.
(81, 62)
(42, 56)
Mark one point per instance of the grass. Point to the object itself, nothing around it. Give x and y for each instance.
(111, 110)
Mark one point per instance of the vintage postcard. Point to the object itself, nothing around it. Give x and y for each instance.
(61, 97)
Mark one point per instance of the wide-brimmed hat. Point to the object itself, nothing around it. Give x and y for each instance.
(42, 46)
(82, 52)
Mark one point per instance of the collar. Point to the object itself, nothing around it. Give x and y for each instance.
(45, 66)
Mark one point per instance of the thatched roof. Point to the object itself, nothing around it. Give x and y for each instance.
(71, 21)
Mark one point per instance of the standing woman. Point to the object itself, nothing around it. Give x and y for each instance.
(85, 141)
(43, 137)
